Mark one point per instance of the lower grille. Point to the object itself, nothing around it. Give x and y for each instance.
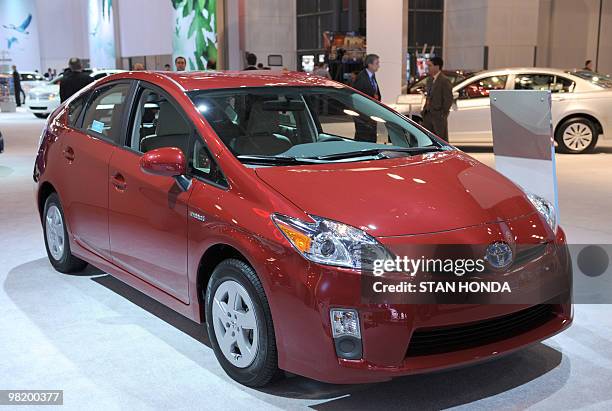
(455, 338)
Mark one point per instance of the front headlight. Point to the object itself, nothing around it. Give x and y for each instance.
(545, 208)
(330, 242)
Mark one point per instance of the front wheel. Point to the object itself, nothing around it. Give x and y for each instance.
(56, 238)
(576, 136)
(239, 324)
(40, 115)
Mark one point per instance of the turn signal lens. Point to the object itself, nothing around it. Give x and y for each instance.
(345, 322)
(300, 240)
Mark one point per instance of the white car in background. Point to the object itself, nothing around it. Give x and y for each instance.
(30, 80)
(43, 100)
(581, 105)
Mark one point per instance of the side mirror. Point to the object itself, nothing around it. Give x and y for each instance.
(455, 95)
(165, 161)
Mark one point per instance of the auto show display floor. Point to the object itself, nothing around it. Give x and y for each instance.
(110, 347)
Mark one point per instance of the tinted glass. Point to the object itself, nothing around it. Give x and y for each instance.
(602, 80)
(158, 123)
(103, 115)
(548, 82)
(202, 164)
(74, 110)
(480, 88)
(305, 122)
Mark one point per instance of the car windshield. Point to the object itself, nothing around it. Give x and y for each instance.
(286, 125)
(602, 80)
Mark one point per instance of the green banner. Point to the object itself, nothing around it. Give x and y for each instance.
(195, 32)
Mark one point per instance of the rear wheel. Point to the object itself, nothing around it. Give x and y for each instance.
(56, 238)
(577, 135)
(239, 324)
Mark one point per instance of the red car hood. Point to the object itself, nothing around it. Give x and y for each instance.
(412, 195)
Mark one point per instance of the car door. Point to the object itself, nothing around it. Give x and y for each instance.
(470, 121)
(87, 146)
(148, 214)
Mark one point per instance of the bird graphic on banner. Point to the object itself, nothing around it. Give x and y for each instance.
(11, 41)
(22, 28)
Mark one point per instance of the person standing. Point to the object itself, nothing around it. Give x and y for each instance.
(365, 128)
(180, 63)
(251, 62)
(17, 86)
(74, 79)
(139, 67)
(588, 65)
(366, 79)
(439, 99)
(321, 70)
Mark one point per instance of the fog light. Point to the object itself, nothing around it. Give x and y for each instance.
(345, 322)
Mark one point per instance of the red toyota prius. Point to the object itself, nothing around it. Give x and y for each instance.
(253, 201)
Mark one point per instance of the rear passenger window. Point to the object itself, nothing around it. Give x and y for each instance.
(103, 115)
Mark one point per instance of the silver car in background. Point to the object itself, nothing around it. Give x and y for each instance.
(581, 105)
(44, 99)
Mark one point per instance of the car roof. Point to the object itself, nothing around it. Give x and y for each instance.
(202, 80)
(545, 70)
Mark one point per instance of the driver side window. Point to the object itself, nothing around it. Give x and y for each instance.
(481, 88)
(158, 123)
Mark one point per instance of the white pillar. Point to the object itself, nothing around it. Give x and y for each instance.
(232, 35)
(387, 36)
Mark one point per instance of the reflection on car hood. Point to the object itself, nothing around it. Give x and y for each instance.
(47, 88)
(412, 195)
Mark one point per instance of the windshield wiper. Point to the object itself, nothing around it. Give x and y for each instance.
(379, 152)
(274, 160)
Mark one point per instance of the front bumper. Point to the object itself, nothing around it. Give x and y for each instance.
(400, 339)
(41, 106)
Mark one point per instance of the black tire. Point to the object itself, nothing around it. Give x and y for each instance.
(264, 367)
(67, 263)
(574, 122)
(43, 116)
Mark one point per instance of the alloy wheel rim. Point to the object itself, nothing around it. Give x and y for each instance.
(54, 225)
(577, 136)
(235, 324)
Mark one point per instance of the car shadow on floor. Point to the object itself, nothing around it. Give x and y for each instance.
(460, 386)
(427, 391)
(438, 390)
(191, 328)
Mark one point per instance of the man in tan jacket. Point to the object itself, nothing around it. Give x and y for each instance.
(439, 99)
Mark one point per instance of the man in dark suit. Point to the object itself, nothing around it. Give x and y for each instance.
(366, 79)
(17, 87)
(439, 99)
(365, 129)
(74, 79)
